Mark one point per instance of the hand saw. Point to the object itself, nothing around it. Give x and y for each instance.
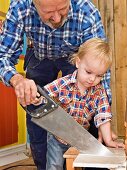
(56, 120)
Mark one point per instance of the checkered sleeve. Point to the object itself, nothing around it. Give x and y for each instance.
(103, 112)
(11, 41)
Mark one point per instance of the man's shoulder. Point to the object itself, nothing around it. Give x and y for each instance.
(19, 9)
(83, 5)
(21, 4)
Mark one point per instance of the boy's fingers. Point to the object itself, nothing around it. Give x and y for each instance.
(121, 145)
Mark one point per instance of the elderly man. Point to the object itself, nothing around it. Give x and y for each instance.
(56, 29)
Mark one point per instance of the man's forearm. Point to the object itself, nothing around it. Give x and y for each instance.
(15, 79)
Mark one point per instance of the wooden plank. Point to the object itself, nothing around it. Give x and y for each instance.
(84, 160)
(71, 153)
(107, 14)
(120, 11)
(106, 10)
(115, 26)
(103, 10)
(121, 83)
(69, 164)
(110, 36)
(27, 164)
(73, 157)
(8, 118)
(70, 156)
(120, 18)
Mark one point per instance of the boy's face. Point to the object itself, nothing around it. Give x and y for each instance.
(90, 71)
(53, 12)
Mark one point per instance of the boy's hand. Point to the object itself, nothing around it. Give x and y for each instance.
(115, 144)
(100, 138)
(111, 143)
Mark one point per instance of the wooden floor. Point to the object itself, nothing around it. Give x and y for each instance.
(27, 164)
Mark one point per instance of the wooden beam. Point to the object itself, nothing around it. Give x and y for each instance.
(120, 23)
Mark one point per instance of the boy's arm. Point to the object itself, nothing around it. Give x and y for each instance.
(105, 130)
(103, 118)
(100, 139)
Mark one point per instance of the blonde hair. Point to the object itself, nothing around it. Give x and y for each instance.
(98, 47)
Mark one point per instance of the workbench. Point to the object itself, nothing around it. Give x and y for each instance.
(76, 161)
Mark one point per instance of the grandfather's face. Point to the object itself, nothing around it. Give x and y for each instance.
(53, 12)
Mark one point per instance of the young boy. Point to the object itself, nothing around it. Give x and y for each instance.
(82, 95)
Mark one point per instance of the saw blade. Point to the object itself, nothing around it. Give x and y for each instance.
(62, 125)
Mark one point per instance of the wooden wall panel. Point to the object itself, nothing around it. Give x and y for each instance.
(8, 116)
(107, 14)
(120, 18)
(114, 17)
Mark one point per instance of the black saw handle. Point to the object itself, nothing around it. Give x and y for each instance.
(42, 109)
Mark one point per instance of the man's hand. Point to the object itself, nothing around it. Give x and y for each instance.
(25, 89)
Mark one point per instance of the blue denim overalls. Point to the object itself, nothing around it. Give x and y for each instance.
(42, 72)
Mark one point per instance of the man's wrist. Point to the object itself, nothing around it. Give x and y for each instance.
(15, 79)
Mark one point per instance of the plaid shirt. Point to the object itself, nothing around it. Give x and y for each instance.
(82, 107)
(83, 22)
